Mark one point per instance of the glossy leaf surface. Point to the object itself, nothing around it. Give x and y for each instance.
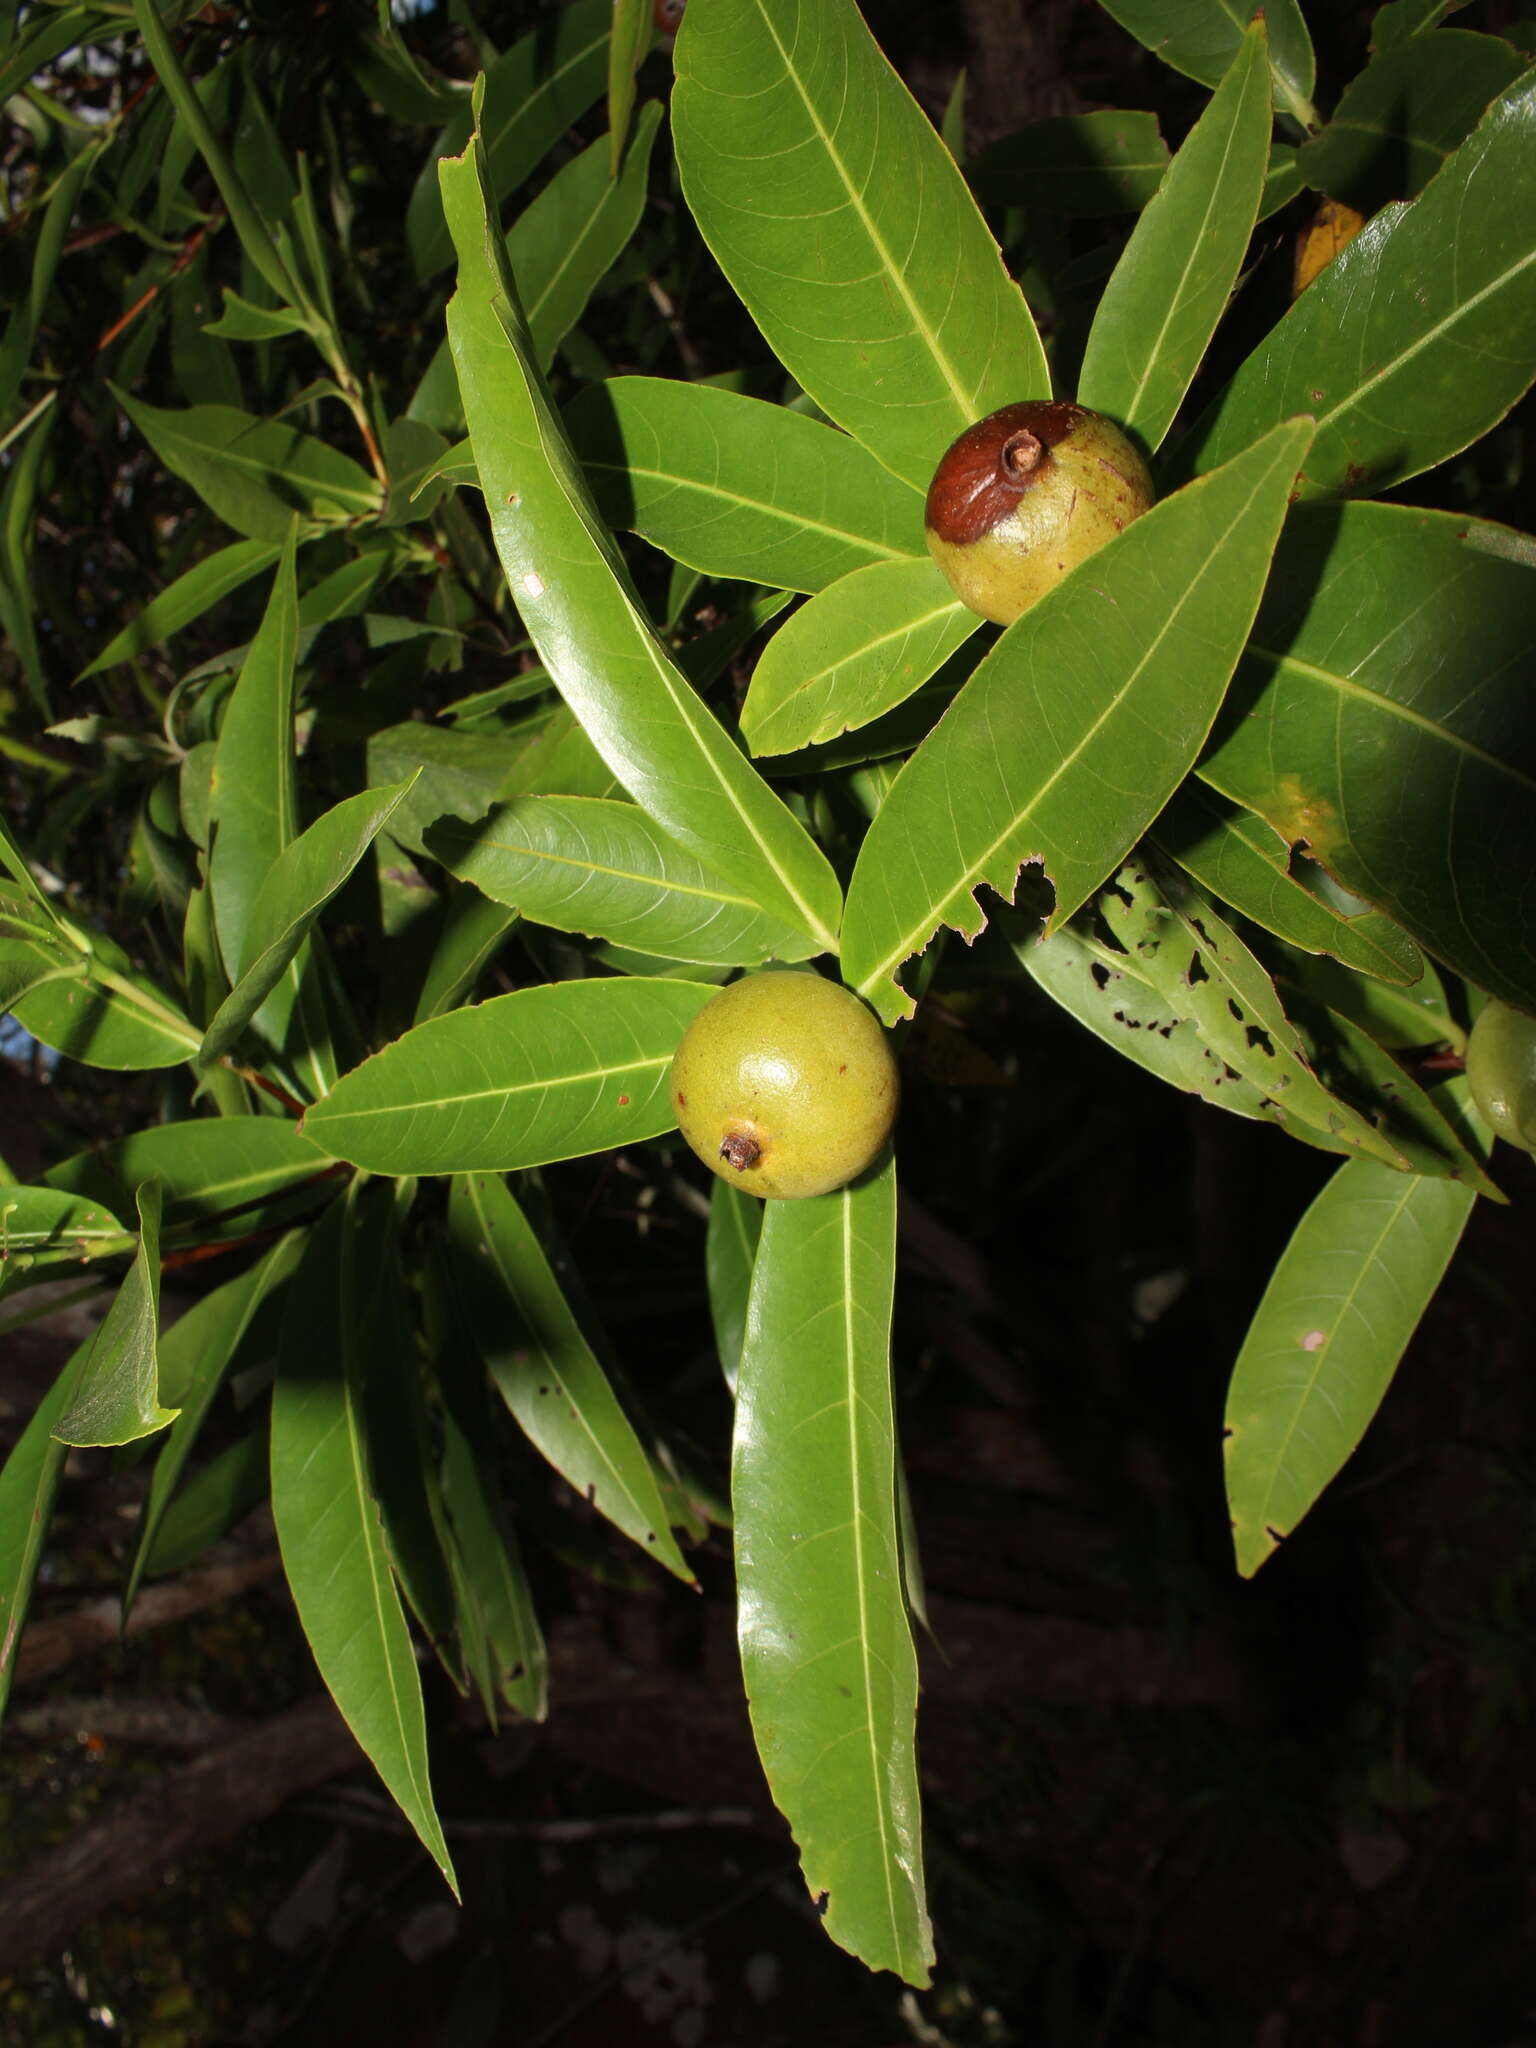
(117, 1397)
(1246, 862)
(730, 1251)
(551, 1072)
(575, 597)
(1201, 38)
(195, 1354)
(1074, 731)
(332, 1541)
(586, 864)
(843, 224)
(1399, 119)
(533, 93)
(545, 1370)
(826, 1650)
(1380, 719)
(29, 1484)
(300, 883)
(1172, 283)
(206, 1166)
(857, 649)
(734, 487)
(1418, 336)
(1321, 1351)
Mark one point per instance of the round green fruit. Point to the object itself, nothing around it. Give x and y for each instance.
(784, 1085)
(1024, 496)
(1501, 1070)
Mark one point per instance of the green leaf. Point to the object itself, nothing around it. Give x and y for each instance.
(497, 1618)
(561, 246)
(1380, 719)
(206, 1168)
(300, 883)
(1075, 730)
(111, 1018)
(243, 321)
(187, 599)
(1250, 866)
(858, 648)
(534, 92)
(1320, 1353)
(842, 222)
(29, 963)
(48, 1225)
(628, 41)
(588, 624)
(733, 487)
(117, 1399)
(1201, 38)
(1400, 118)
(29, 1482)
(215, 1500)
(17, 526)
(195, 1354)
(730, 1252)
(1085, 166)
(583, 864)
(826, 1651)
(552, 1072)
(1197, 962)
(254, 474)
(1172, 283)
(456, 774)
(544, 1368)
(385, 1370)
(332, 1542)
(473, 930)
(1417, 337)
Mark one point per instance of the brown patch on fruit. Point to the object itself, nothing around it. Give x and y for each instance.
(986, 471)
(741, 1150)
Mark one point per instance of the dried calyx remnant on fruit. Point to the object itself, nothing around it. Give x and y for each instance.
(1501, 1072)
(784, 1085)
(1024, 496)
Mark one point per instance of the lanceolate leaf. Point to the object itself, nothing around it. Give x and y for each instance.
(841, 220)
(734, 487)
(46, 1224)
(300, 883)
(1201, 38)
(735, 1224)
(1076, 164)
(255, 474)
(860, 647)
(826, 1650)
(552, 1072)
(1400, 118)
(29, 1480)
(1076, 729)
(185, 600)
(1321, 1351)
(574, 595)
(584, 864)
(206, 1167)
(332, 1542)
(533, 93)
(1418, 336)
(1246, 862)
(195, 1354)
(253, 803)
(544, 1368)
(1380, 718)
(117, 1398)
(560, 246)
(1171, 285)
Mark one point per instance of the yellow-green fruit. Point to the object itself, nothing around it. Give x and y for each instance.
(784, 1085)
(1501, 1070)
(1024, 496)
